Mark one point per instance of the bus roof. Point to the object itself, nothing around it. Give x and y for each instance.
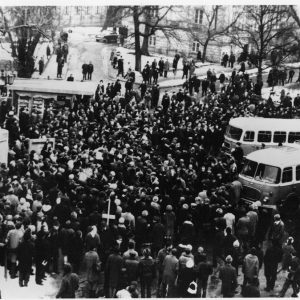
(284, 156)
(263, 124)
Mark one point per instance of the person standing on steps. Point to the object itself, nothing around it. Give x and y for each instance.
(84, 70)
(90, 70)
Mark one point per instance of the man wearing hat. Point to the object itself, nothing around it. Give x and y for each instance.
(229, 279)
(146, 271)
(277, 230)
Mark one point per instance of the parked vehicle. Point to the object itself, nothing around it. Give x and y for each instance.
(269, 175)
(252, 132)
(107, 38)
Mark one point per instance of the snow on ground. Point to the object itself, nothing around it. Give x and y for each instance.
(10, 288)
(293, 89)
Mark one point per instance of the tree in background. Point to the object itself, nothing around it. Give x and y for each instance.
(210, 28)
(269, 30)
(25, 26)
(146, 21)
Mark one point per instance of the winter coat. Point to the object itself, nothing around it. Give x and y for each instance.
(114, 267)
(25, 256)
(251, 266)
(229, 280)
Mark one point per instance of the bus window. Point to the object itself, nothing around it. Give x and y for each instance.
(287, 174)
(249, 168)
(293, 136)
(249, 136)
(268, 173)
(298, 173)
(234, 132)
(279, 137)
(264, 137)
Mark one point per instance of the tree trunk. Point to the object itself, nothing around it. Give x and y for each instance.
(259, 69)
(138, 52)
(110, 16)
(145, 50)
(25, 56)
(204, 51)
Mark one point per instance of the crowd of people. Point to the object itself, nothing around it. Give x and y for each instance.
(142, 192)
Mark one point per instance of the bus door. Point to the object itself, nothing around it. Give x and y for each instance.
(287, 182)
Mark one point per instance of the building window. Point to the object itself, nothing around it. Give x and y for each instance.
(152, 40)
(154, 12)
(198, 16)
(77, 8)
(97, 10)
(66, 10)
(196, 46)
(87, 10)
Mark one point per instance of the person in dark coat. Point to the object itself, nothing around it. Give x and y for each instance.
(69, 284)
(229, 278)
(291, 75)
(25, 254)
(146, 271)
(90, 70)
(41, 65)
(231, 60)
(113, 271)
(203, 270)
(76, 251)
(60, 65)
(186, 275)
(120, 67)
(155, 95)
(40, 256)
(205, 85)
(165, 102)
(271, 259)
(243, 67)
(157, 235)
(251, 290)
(48, 52)
(84, 71)
(161, 64)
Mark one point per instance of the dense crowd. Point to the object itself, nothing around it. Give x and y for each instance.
(159, 174)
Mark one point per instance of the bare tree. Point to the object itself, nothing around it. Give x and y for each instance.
(269, 30)
(212, 29)
(25, 26)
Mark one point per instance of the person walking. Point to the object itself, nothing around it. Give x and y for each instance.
(161, 64)
(92, 263)
(169, 274)
(277, 230)
(166, 68)
(41, 65)
(203, 271)
(146, 271)
(120, 67)
(25, 254)
(271, 259)
(113, 270)
(250, 266)
(228, 277)
(60, 65)
(69, 284)
(90, 70)
(48, 51)
(291, 75)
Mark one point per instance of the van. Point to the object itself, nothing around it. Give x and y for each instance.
(269, 175)
(252, 132)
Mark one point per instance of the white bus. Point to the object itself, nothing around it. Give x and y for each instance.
(252, 132)
(271, 174)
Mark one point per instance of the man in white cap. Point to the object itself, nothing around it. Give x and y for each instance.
(229, 279)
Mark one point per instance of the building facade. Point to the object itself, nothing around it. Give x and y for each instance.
(82, 15)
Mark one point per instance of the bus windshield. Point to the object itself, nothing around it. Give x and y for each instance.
(269, 174)
(234, 132)
(249, 168)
